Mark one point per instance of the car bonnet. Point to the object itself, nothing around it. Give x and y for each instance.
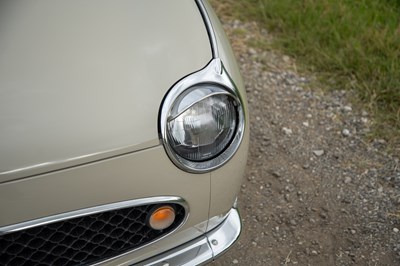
(82, 81)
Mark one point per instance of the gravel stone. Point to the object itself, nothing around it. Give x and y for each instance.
(347, 180)
(276, 174)
(314, 252)
(346, 132)
(252, 51)
(323, 215)
(287, 131)
(347, 108)
(318, 153)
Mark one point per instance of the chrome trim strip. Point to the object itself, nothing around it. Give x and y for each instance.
(214, 73)
(209, 27)
(93, 210)
(203, 249)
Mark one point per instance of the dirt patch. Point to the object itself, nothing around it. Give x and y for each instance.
(314, 192)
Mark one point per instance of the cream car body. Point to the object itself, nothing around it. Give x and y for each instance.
(81, 88)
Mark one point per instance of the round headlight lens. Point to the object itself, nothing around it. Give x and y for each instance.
(202, 123)
(202, 119)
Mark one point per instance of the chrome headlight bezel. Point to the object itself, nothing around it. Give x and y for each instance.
(214, 74)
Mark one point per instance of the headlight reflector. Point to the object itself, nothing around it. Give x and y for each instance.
(203, 129)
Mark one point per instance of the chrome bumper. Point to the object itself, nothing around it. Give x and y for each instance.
(203, 249)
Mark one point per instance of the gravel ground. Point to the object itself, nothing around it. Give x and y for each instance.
(315, 193)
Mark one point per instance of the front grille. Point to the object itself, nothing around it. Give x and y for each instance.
(83, 240)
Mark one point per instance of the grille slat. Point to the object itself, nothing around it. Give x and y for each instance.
(83, 240)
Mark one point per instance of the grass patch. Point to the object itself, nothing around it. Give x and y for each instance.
(351, 44)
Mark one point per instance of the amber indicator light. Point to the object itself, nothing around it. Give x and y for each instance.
(161, 218)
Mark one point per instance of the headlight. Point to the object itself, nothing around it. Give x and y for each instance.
(202, 120)
(202, 123)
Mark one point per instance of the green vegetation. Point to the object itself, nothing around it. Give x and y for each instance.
(352, 44)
